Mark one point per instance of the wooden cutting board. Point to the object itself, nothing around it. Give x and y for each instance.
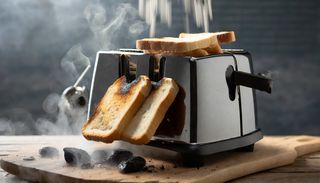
(269, 153)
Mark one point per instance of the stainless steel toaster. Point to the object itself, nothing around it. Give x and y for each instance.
(215, 109)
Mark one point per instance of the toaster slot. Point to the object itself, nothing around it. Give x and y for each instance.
(127, 68)
(156, 68)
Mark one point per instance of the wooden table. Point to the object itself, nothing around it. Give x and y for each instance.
(304, 169)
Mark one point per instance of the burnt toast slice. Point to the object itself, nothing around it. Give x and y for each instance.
(146, 121)
(116, 109)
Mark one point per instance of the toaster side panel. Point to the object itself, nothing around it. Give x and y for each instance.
(218, 116)
(179, 69)
(106, 71)
(104, 74)
(247, 97)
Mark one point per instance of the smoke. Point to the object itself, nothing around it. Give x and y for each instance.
(73, 62)
(91, 26)
(295, 89)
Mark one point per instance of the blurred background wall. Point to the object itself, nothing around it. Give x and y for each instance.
(44, 46)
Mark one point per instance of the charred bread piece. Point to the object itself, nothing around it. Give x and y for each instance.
(134, 164)
(48, 152)
(116, 109)
(77, 157)
(145, 123)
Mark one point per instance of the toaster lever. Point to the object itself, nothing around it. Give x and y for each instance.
(252, 81)
(235, 78)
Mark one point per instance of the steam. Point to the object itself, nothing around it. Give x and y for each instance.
(106, 31)
(73, 62)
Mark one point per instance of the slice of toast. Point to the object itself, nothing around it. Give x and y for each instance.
(117, 107)
(193, 53)
(222, 37)
(199, 44)
(176, 44)
(214, 48)
(148, 118)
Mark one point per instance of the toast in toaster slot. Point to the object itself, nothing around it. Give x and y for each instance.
(146, 121)
(116, 109)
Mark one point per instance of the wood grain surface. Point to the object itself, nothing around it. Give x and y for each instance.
(269, 153)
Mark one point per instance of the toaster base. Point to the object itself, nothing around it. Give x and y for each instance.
(193, 153)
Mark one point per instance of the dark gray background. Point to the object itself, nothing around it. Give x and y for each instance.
(36, 38)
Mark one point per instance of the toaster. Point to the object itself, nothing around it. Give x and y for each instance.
(215, 109)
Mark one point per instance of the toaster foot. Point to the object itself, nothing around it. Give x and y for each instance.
(248, 148)
(192, 160)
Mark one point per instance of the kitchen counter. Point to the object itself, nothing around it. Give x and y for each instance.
(305, 169)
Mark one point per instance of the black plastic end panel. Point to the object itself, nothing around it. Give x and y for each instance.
(209, 148)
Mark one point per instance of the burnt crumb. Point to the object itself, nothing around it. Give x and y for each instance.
(149, 168)
(134, 164)
(86, 166)
(29, 158)
(175, 166)
(117, 156)
(99, 156)
(48, 152)
(77, 157)
(162, 167)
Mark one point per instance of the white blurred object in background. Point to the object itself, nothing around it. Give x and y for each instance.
(201, 10)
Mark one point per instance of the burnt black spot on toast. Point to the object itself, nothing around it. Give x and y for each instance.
(126, 87)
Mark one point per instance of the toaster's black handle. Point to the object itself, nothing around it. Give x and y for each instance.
(235, 78)
(252, 81)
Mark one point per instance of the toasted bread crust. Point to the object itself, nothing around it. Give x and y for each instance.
(214, 49)
(117, 107)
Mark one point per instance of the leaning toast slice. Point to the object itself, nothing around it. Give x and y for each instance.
(148, 118)
(117, 107)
